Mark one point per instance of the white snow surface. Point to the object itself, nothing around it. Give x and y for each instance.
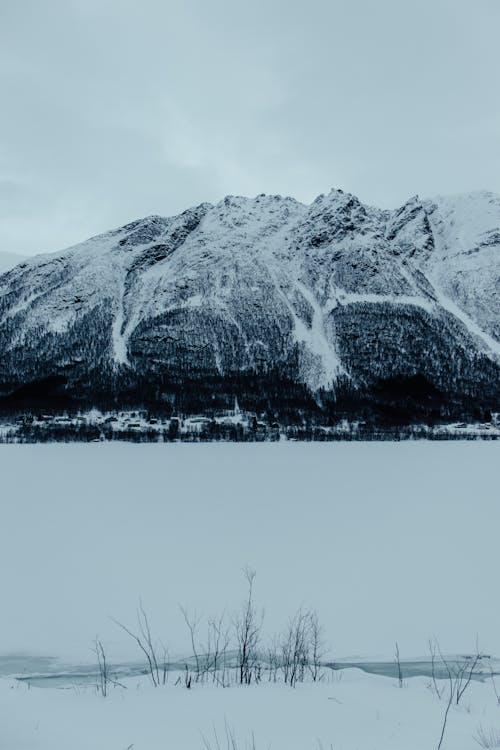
(465, 266)
(357, 712)
(385, 540)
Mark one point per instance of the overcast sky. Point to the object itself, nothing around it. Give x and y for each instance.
(113, 109)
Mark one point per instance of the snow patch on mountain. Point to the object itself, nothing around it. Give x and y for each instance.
(265, 280)
(464, 268)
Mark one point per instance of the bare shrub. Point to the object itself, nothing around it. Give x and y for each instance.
(301, 648)
(218, 640)
(102, 667)
(294, 647)
(273, 659)
(487, 738)
(449, 703)
(317, 646)
(165, 664)
(145, 642)
(432, 651)
(398, 665)
(459, 678)
(209, 658)
(104, 676)
(229, 740)
(464, 671)
(192, 622)
(248, 625)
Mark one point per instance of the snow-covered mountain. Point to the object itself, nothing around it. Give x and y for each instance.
(266, 296)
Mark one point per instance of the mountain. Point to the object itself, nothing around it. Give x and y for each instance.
(9, 260)
(335, 307)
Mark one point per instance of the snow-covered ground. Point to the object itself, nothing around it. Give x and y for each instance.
(386, 541)
(354, 712)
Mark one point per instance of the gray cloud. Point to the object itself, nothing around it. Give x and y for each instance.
(114, 109)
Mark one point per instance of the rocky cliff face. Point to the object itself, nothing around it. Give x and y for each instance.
(268, 299)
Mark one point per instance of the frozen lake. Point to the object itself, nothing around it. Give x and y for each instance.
(50, 673)
(387, 541)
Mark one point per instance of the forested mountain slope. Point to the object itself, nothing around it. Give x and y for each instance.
(334, 306)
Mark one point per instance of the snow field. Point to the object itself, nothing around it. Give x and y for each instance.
(355, 711)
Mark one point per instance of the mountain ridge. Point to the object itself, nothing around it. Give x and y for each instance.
(333, 297)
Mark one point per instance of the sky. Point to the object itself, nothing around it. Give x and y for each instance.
(112, 110)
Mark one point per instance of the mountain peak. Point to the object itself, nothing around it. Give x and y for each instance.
(318, 296)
